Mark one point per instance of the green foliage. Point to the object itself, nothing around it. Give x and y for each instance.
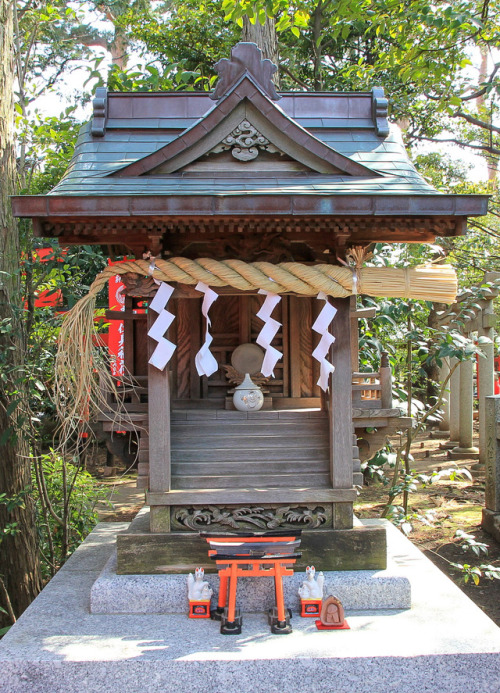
(46, 144)
(182, 46)
(475, 573)
(10, 503)
(376, 466)
(408, 483)
(66, 508)
(468, 543)
(442, 172)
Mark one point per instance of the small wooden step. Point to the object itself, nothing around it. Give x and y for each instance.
(248, 442)
(276, 454)
(196, 415)
(250, 480)
(254, 428)
(242, 467)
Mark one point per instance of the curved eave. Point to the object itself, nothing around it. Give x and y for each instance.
(317, 204)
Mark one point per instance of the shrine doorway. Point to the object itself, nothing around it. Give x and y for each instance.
(235, 322)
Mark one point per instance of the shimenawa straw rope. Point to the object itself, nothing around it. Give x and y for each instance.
(83, 378)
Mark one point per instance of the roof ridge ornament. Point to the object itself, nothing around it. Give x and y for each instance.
(100, 112)
(246, 58)
(380, 111)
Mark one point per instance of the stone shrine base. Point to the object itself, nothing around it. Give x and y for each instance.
(443, 643)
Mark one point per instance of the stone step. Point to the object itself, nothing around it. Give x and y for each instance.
(250, 480)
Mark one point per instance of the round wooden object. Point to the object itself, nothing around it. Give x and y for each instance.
(247, 358)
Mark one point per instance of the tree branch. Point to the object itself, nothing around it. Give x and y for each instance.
(484, 229)
(475, 121)
(484, 89)
(474, 95)
(480, 147)
(93, 41)
(7, 602)
(298, 81)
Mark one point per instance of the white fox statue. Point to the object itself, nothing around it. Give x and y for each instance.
(198, 589)
(312, 588)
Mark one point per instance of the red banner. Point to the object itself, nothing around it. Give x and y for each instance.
(116, 327)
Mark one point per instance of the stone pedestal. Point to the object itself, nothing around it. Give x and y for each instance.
(491, 523)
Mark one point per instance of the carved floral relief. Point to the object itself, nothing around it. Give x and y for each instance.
(300, 516)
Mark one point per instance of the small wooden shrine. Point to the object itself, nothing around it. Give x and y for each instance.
(246, 174)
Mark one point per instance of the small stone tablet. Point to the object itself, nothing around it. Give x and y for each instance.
(332, 615)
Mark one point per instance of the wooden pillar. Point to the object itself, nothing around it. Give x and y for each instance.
(159, 422)
(340, 403)
(385, 381)
(354, 334)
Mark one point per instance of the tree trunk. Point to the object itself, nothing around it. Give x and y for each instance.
(265, 37)
(492, 162)
(19, 567)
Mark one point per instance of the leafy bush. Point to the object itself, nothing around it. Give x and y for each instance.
(66, 497)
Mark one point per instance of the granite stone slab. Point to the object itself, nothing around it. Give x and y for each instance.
(444, 643)
(167, 594)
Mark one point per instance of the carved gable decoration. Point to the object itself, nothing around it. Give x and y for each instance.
(245, 58)
(245, 142)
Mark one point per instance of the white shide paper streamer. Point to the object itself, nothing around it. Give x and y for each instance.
(164, 349)
(204, 360)
(268, 332)
(321, 325)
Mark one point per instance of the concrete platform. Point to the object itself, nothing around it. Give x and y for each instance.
(444, 643)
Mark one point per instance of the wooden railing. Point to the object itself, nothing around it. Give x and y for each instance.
(373, 390)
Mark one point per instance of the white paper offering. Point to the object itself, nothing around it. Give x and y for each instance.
(165, 348)
(268, 332)
(321, 325)
(204, 360)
